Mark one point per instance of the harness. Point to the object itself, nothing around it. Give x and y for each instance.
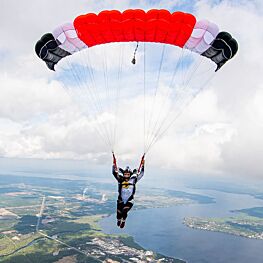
(126, 184)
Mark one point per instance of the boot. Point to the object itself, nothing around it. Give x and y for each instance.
(122, 225)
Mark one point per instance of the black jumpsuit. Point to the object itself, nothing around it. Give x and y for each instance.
(126, 191)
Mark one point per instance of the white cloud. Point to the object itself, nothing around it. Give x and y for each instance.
(22, 99)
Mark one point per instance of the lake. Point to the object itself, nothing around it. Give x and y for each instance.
(161, 230)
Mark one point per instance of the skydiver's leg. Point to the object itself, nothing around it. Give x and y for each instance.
(119, 211)
(127, 207)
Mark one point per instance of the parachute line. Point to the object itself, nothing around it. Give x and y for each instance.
(144, 93)
(165, 99)
(88, 92)
(161, 133)
(155, 94)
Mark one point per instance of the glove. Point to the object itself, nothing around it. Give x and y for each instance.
(114, 160)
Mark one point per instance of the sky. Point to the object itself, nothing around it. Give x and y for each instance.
(219, 133)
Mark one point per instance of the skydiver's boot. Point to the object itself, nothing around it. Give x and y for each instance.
(122, 225)
(119, 214)
(125, 211)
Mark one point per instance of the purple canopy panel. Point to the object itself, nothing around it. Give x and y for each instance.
(202, 36)
(67, 36)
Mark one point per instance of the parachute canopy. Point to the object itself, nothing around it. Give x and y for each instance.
(47, 48)
(135, 25)
(160, 26)
(223, 48)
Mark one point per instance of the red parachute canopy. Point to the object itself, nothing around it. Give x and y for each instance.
(135, 25)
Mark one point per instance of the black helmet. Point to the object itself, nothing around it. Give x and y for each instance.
(127, 170)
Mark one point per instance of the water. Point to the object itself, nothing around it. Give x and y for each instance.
(162, 230)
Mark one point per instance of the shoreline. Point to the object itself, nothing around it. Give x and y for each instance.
(132, 238)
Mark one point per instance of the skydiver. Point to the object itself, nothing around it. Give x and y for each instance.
(127, 180)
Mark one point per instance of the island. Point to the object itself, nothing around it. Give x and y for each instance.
(247, 223)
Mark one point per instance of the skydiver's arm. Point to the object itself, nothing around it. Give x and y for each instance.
(115, 170)
(140, 174)
(141, 170)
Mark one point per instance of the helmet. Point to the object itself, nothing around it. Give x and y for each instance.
(127, 170)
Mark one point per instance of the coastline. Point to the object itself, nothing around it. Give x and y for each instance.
(130, 241)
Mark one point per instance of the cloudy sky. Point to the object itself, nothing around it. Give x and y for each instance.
(220, 132)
